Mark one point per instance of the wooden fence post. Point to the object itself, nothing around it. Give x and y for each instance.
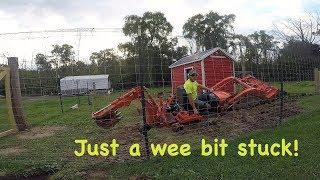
(16, 97)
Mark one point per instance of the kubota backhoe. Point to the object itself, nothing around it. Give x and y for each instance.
(172, 111)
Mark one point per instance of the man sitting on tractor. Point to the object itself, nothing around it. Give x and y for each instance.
(197, 103)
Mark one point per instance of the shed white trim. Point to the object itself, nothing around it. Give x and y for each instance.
(200, 56)
(203, 73)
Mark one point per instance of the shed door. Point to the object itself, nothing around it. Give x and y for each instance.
(186, 72)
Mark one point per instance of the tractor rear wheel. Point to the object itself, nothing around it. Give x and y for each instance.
(176, 127)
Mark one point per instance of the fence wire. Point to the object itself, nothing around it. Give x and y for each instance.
(56, 105)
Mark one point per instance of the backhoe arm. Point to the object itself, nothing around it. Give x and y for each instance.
(108, 116)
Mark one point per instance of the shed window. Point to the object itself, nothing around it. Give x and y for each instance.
(186, 72)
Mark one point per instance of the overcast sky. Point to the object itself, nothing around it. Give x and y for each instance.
(31, 15)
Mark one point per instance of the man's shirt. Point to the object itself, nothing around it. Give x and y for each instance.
(191, 88)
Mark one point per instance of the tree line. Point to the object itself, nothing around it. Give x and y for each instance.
(292, 47)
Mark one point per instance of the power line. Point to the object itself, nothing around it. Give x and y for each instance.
(64, 31)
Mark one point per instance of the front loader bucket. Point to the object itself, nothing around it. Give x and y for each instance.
(108, 120)
(267, 92)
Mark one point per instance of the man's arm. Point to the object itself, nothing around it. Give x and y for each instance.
(191, 101)
(204, 87)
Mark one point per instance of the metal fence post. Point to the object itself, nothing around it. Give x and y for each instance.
(60, 94)
(281, 92)
(143, 100)
(78, 93)
(316, 81)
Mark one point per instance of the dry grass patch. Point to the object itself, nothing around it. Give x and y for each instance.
(40, 132)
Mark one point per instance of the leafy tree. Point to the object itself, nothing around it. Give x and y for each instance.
(209, 30)
(263, 42)
(154, 28)
(158, 49)
(179, 52)
(106, 62)
(301, 49)
(62, 55)
(104, 57)
(301, 57)
(128, 67)
(240, 46)
(80, 68)
(42, 62)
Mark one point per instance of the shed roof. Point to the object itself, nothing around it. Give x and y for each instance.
(85, 77)
(198, 57)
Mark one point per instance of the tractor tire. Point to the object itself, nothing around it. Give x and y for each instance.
(176, 127)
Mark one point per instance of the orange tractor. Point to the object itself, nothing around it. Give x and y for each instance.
(173, 111)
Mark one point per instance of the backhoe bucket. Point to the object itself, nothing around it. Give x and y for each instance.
(108, 120)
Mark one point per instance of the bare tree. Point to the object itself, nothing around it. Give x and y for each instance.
(306, 29)
(317, 19)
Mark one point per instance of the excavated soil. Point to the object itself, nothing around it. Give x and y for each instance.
(234, 123)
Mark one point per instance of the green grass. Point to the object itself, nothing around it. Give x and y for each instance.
(54, 154)
(4, 122)
(298, 87)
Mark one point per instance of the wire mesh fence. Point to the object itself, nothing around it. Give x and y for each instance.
(61, 92)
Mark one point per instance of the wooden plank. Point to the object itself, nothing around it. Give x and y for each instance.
(8, 132)
(203, 73)
(6, 75)
(4, 68)
(8, 100)
(2, 74)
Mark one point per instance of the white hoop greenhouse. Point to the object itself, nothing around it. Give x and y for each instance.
(72, 85)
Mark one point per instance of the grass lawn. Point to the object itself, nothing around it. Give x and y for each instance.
(298, 87)
(54, 154)
(4, 122)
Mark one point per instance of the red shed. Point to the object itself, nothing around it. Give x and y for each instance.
(211, 65)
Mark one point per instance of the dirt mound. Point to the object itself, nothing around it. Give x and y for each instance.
(240, 121)
(11, 151)
(40, 132)
(229, 124)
